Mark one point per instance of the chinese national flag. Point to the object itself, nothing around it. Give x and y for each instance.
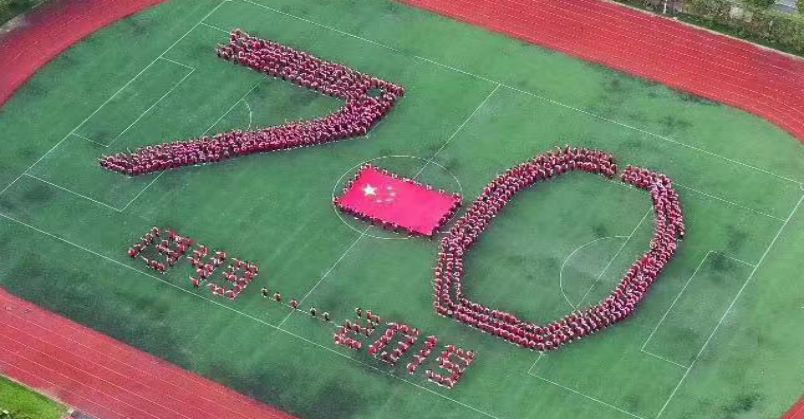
(380, 196)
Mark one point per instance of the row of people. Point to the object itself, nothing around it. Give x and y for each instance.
(294, 303)
(170, 248)
(368, 100)
(429, 344)
(409, 337)
(457, 369)
(669, 228)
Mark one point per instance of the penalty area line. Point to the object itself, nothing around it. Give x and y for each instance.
(733, 302)
(572, 390)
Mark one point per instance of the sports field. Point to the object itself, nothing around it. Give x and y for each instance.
(718, 336)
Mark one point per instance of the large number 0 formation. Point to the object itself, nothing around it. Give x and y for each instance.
(669, 228)
(368, 100)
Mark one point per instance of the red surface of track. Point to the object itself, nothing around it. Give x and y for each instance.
(104, 377)
(763, 82)
(50, 30)
(795, 412)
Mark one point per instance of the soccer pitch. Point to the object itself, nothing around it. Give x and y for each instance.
(718, 335)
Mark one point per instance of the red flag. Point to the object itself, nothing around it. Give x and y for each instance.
(382, 197)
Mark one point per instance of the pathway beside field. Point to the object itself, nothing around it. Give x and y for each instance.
(761, 81)
(106, 378)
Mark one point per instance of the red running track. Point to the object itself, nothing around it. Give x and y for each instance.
(757, 80)
(795, 412)
(104, 377)
(51, 29)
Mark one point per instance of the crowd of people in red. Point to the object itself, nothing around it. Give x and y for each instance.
(168, 249)
(456, 361)
(429, 344)
(238, 274)
(669, 228)
(410, 336)
(368, 100)
(453, 359)
(171, 246)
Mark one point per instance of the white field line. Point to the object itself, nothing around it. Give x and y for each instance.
(572, 390)
(189, 67)
(613, 258)
(663, 358)
(153, 105)
(753, 265)
(538, 358)
(214, 9)
(363, 233)
(215, 27)
(727, 201)
(566, 259)
(143, 190)
(73, 394)
(250, 114)
(72, 192)
(801, 185)
(734, 301)
(714, 197)
(139, 408)
(455, 133)
(232, 107)
(84, 137)
(675, 300)
(246, 315)
(328, 272)
(103, 204)
(146, 186)
(544, 98)
(58, 143)
(100, 354)
(91, 373)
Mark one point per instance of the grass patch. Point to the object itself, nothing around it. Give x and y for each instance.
(22, 403)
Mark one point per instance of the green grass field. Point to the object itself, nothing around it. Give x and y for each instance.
(23, 403)
(718, 337)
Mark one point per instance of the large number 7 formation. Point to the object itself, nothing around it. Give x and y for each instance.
(368, 100)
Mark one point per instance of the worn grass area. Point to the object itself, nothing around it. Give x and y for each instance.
(691, 350)
(24, 403)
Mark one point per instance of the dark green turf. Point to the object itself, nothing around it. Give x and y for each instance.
(494, 102)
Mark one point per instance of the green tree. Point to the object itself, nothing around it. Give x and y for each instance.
(762, 4)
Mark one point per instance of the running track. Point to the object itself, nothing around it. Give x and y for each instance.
(104, 377)
(760, 81)
(50, 30)
(109, 379)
